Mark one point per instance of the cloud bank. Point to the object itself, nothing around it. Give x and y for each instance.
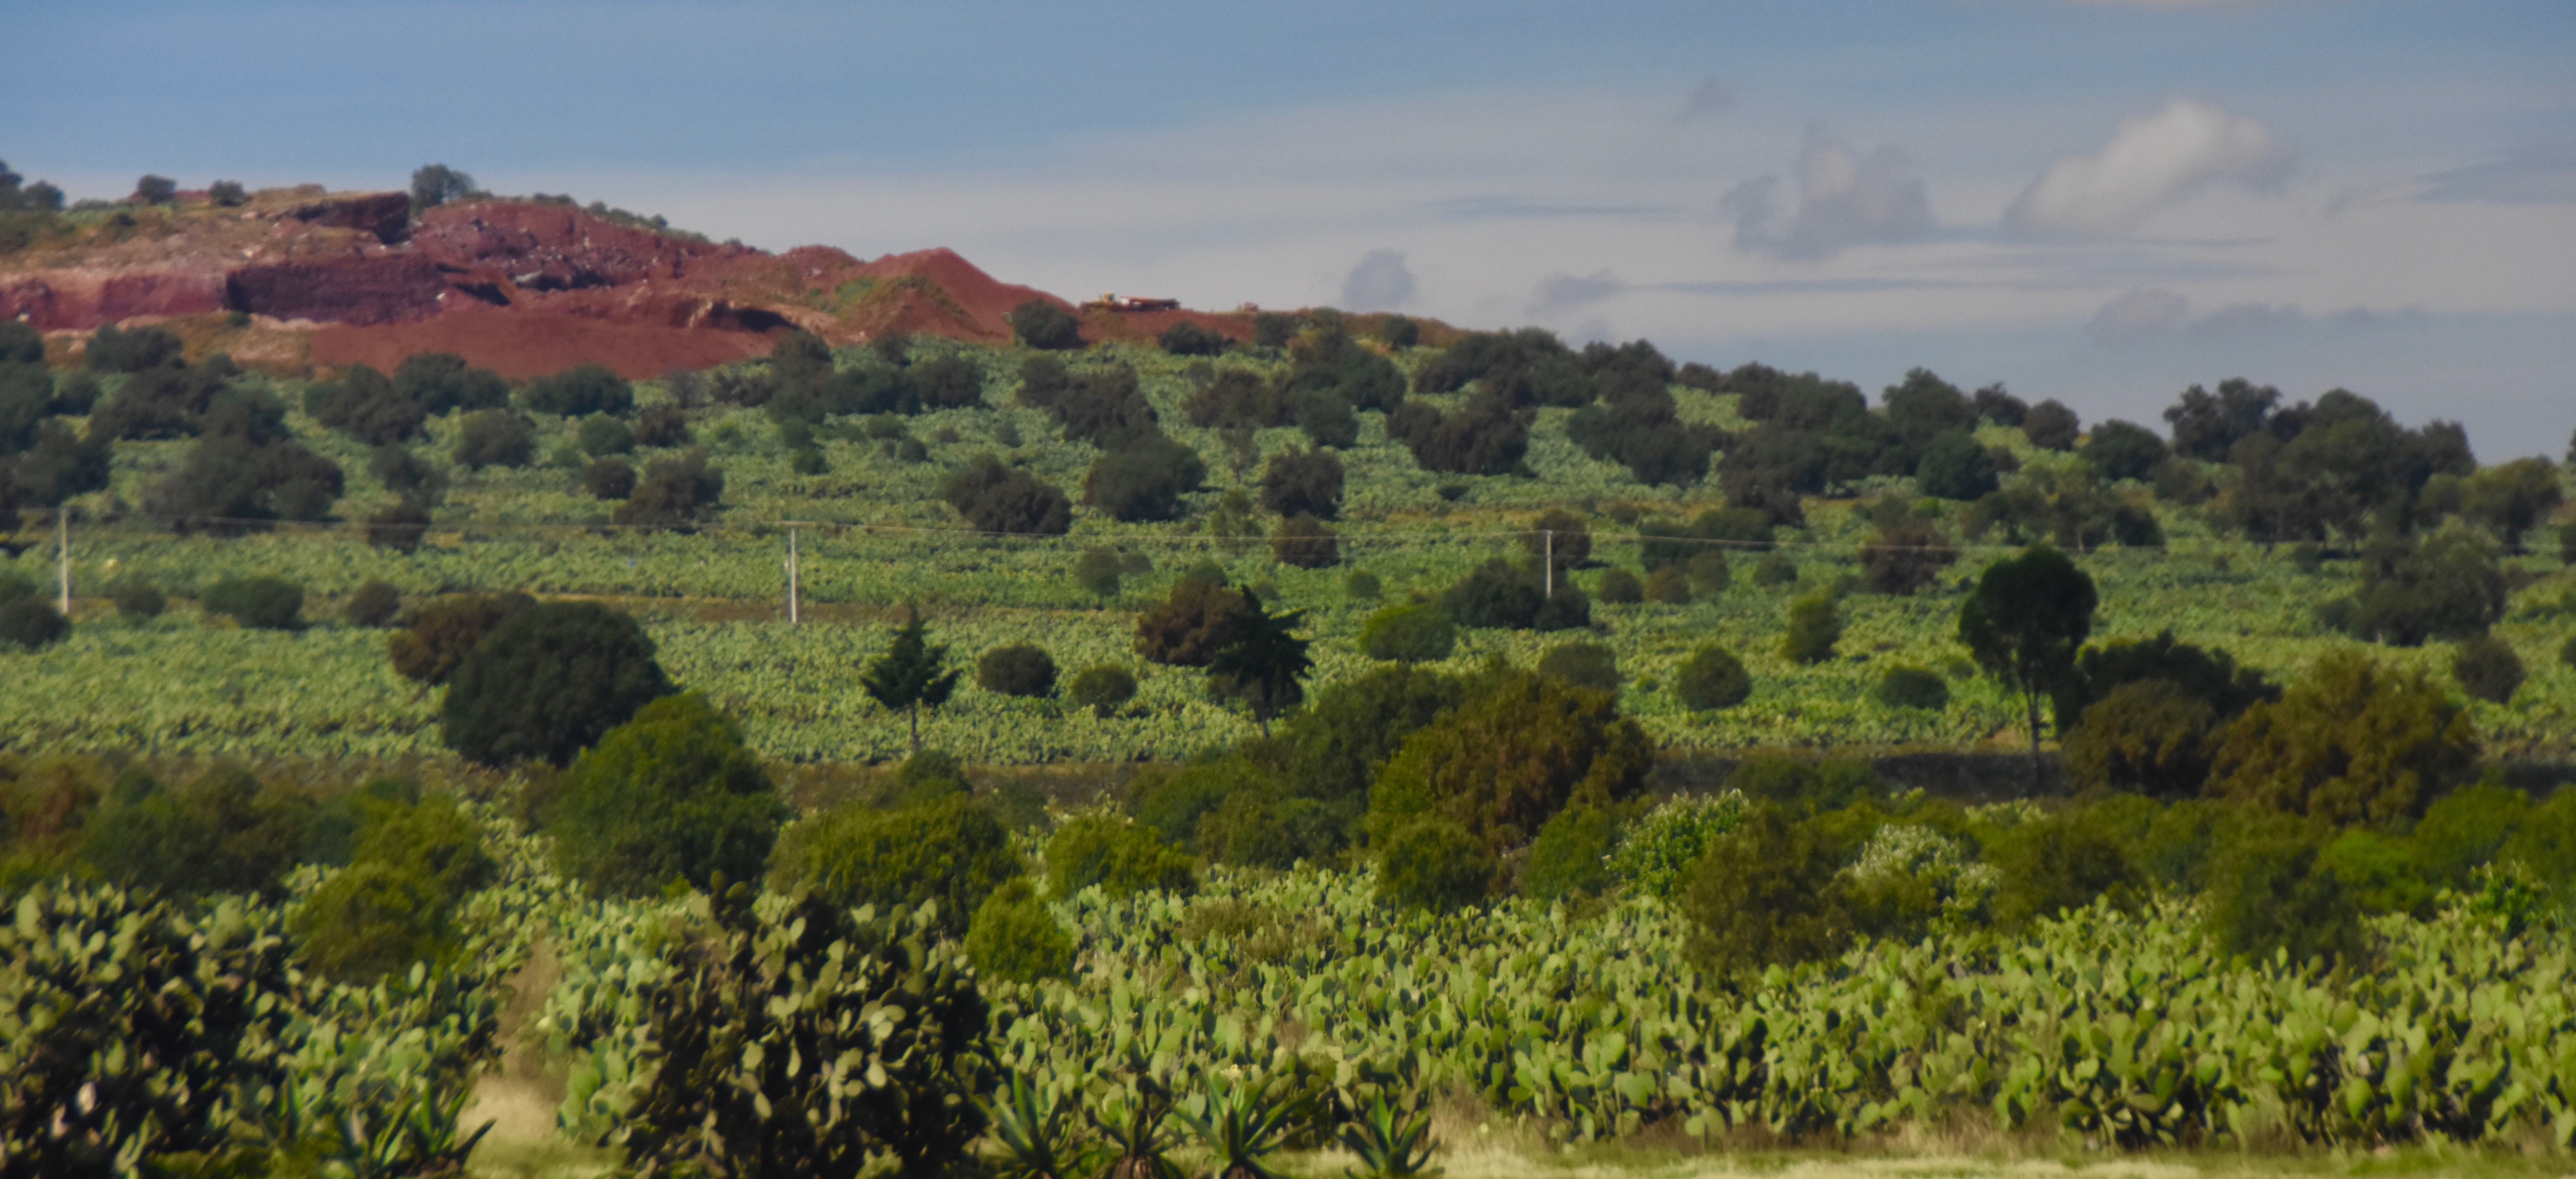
(1381, 282)
(2153, 161)
(1844, 200)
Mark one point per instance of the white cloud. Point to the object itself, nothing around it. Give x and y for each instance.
(1711, 98)
(1381, 282)
(2138, 311)
(2153, 161)
(2153, 313)
(1565, 292)
(1843, 200)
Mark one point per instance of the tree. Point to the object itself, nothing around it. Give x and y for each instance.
(1307, 481)
(1303, 542)
(911, 675)
(1200, 617)
(1712, 678)
(1956, 467)
(495, 438)
(262, 603)
(947, 849)
(1189, 339)
(997, 498)
(2508, 499)
(2152, 736)
(155, 190)
(549, 681)
(1265, 664)
(446, 630)
(1815, 625)
(433, 185)
(2027, 619)
(1507, 759)
(1413, 632)
(2051, 426)
(2353, 742)
(364, 405)
(672, 493)
(1040, 323)
(1102, 689)
(2123, 450)
(1020, 669)
(1144, 480)
(579, 391)
(2488, 669)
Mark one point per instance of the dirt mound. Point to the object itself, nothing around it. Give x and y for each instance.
(528, 343)
(82, 299)
(379, 288)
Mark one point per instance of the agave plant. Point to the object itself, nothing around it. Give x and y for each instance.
(1134, 1124)
(1032, 1122)
(1244, 1124)
(1391, 1143)
(419, 1138)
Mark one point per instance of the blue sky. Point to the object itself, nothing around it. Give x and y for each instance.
(2100, 201)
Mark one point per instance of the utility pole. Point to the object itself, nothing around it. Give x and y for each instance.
(792, 613)
(1548, 537)
(63, 554)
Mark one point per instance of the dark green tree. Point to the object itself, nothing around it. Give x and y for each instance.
(1041, 324)
(1265, 665)
(671, 795)
(549, 681)
(911, 675)
(2027, 619)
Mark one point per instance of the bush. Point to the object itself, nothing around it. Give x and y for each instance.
(394, 904)
(2467, 829)
(1039, 323)
(1911, 687)
(443, 632)
(672, 493)
(2352, 743)
(1016, 938)
(1712, 678)
(1815, 625)
(671, 795)
(1768, 893)
(2269, 891)
(1707, 572)
(439, 382)
(2148, 736)
(1021, 669)
(949, 850)
(2051, 426)
(137, 598)
(1144, 481)
(2488, 669)
(1433, 863)
(2206, 675)
(1568, 860)
(114, 351)
(1669, 586)
(223, 832)
(600, 436)
(548, 681)
(1584, 665)
(609, 478)
(1506, 760)
(662, 426)
(1103, 689)
(1397, 331)
(1619, 587)
(1955, 467)
(1200, 617)
(2123, 450)
(579, 391)
(1121, 858)
(1904, 559)
(1486, 437)
(31, 623)
(261, 603)
(1801, 787)
(495, 438)
(1189, 339)
(949, 382)
(372, 604)
(1303, 542)
(996, 498)
(1303, 481)
(364, 405)
(1327, 419)
(1496, 594)
(2063, 861)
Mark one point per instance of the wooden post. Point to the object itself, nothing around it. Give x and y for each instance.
(63, 554)
(1548, 537)
(793, 618)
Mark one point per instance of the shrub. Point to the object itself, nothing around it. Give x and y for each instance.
(1362, 586)
(1803, 787)
(1327, 419)
(261, 603)
(2467, 829)
(1669, 586)
(1568, 860)
(2269, 891)
(609, 478)
(1956, 468)
(31, 623)
(394, 904)
(662, 426)
(1303, 481)
(2051, 426)
(671, 795)
(495, 438)
(1016, 938)
(1397, 331)
(1911, 687)
(1200, 617)
(1495, 594)
(672, 493)
(1507, 759)
(1904, 559)
(114, 351)
(579, 391)
(948, 849)
(1021, 669)
(1433, 863)
(1707, 572)
(408, 475)
(223, 832)
(443, 632)
(996, 498)
(949, 382)
(2059, 862)
(1815, 625)
(1768, 893)
(1712, 678)
(548, 681)
(1584, 665)
(2149, 736)
(1654, 856)
(1121, 858)
(1144, 480)
(1103, 689)
(372, 604)
(2206, 675)
(2487, 668)
(1039, 323)
(439, 382)
(2352, 743)
(1189, 339)
(364, 405)
(1619, 587)
(137, 598)
(600, 435)
(2123, 450)
(1301, 541)
(1775, 569)
(1486, 437)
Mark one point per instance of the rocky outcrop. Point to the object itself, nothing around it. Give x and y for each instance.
(552, 247)
(382, 288)
(80, 299)
(384, 215)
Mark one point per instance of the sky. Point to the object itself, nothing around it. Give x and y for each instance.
(2101, 201)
